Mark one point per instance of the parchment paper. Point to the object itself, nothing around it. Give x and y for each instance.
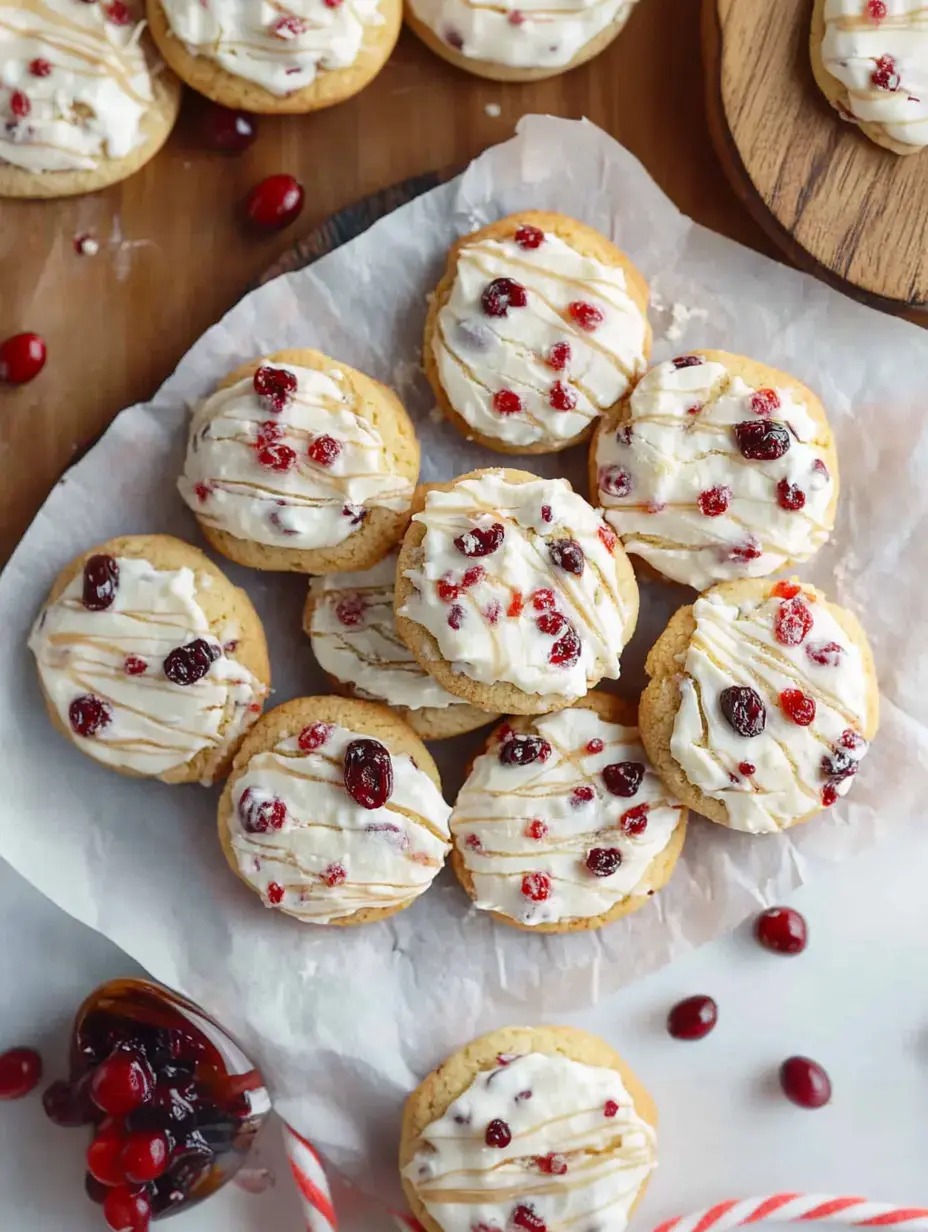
(344, 1022)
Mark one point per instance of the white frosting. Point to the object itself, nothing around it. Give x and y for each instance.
(737, 645)
(388, 856)
(498, 638)
(521, 33)
(882, 62)
(501, 808)
(89, 105)
(680, 443)
(480, 355)
(578, 1157)
(309, 505)
(364, 649)
(281, 48)
(155, 725)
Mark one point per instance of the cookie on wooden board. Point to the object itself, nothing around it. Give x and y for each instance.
(150, 660)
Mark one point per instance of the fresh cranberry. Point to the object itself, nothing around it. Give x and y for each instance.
(529, 237)
(610, 1108)
(547, 513)
(603, 861)
(20, 1071)
(587, 316)
(350, 610)
(516, 605)
(334, 875)
(456, 616)
(278, 458)
(118, 13)
(274, 203)
(480, 541)
(782, 930)
(134, 666)
(606, 537)
(839, 765)
(615, 480)
(561, 397)
(876, 9)
(22, 357)
(101, 578)
(229, 132)
(89, 714)
(790, 496)
(786, 590)
(95, 1190)
(258, 816)
(543, 600)
(885, 76)
(765, 402)
(798, 706)
(502, 294)
(762, 440)
(550, 623)
(314, 736)
(536, 886)
(104, 1156)
(567, 554)
(805, 1083)
(693, 1018)
(623, 778)
(826, 654)
(566, 650)
(714, 501)
(558, 356)
(749, 549)
(595, 745)
(551, 1165)
(275, 893)
(144, 1155)
(127, 1210)
(793, 622)
(523, 750)
(66, 1106)
(123, 1082)
(324, 450)
(527, 1219)
(747, 768)
(743, 709)
(634, 821)
(536, 829)
(40, 68)
(185, 665)
(581, 795)
(277, 385)
(505, 402)
(498, 1134)
(829, 795)
(368, 773)
(687, 361)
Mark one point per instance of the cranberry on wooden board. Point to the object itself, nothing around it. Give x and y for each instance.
(805, 1083)
(225, 130)
(20, 1071)
(368, 773)
(22, 357)
(782, 930)
(693, 1018)
(274, 203)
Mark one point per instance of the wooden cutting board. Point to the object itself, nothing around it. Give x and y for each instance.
(838, 205)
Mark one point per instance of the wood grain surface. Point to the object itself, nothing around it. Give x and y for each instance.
(836, 203)
(174, 258)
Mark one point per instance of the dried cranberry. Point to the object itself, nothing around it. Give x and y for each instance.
(634, 821)
(350, 610)
(523, 750)
(693, 1018)
(447, 590)
(118, 13)
(595, 745)
(749, 549)
(558, 356)
(851, 739)
(276, 384)
(567, 554)
(610, 1108)
(20, 1071)
(615, 480)
(202, 491)
(274, 203)
(280, 458)
(561, 397)
(314, 736)
(230, 132)
(529, 237)
(587, 316)
(826, 654)
(22, 357)
(288, 27)
(456, 616)
(144, 1156)
(186, 665)
(714, 501)
(603, 861)
(368, 773)
(257, 815)
(40, 68)
(269, 433)
(623, 778)
(782, 930)
(324, 450)
(502, 294)
(566, 650)
(527, 1219)
(790, 496)
(786, 590)
(275, 893)
(762, 440)
(536, 886)
(747, 768)
(123, 1082)
(506, 402)
(581, 795)
(543, 600)
(551, 1165)
(876, 9)
(805, 1083)
(688, 361)
(839, 765)
(829, 794)
(536, 829)
(793, 622)
(473, 842)
(885, 76)
(127, 1210)
(498, 1134)
(743, 709)
(334, 875)
(547, 513)
(473, 575)
(134, 666)
(550, 623)
(765, 402)
(89, 714)
(101, 578)
(20, 104)
(798, 706)
(480, 540)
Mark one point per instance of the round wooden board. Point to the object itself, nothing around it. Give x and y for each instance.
(838, 205)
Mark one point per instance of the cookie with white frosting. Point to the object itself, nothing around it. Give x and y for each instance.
(562, 823)
(717, 467)
(870, 59)
(276, 58)
(518, 40)
(549, 1126)
(150, 660)
(513, 592)
(333, 813)
(84, 98)
(538, 327)
(299, 463)
(350, 623)
(762, 703)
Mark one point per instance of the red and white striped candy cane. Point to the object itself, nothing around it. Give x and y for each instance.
(310, 1180)
(799, 1208)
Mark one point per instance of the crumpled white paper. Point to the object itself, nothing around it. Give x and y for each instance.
(345, 1021)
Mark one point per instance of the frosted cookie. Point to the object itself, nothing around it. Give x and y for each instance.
(334, 812)
(538, 327)
(717, 467)
(762, 702)
(562, 823)
(350, 622)
(519, 40)
(548, 1125)
(150, 660)
(84, 99)
(299, 463)
(513, 593)
(296, 58)
(870, 59)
